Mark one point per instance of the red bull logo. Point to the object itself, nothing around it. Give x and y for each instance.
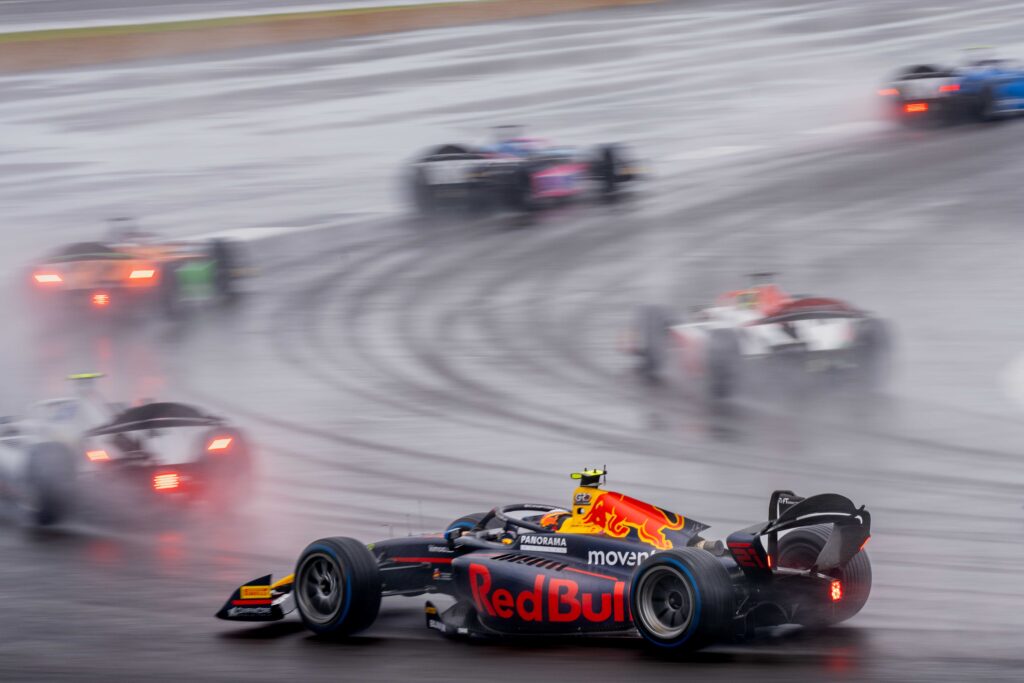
(618, 514)
(549, 600)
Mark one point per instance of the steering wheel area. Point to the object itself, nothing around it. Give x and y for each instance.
(481, 535)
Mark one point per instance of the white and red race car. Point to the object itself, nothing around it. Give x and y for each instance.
(761, 333)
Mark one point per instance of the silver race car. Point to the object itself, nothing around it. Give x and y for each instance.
(761, 335)
(84, 456)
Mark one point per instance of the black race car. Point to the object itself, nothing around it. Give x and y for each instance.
(607, 565)
(517, 173)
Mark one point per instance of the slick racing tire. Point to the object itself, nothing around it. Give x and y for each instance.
(724, 358)
(608, 170)
(682, 600)
(228, 471)
(50, 479)
(519, 192)
(873, 349)
(170, 294)
(422, 194)
(337, 587)
(224, 256)
(799, 549)
(984, 106)
(651, 340)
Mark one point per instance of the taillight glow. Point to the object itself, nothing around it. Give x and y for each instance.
(889, 92)
(97, 456)
(146, 274)
(48, 278)
(915, 107)
(863, 544)
(837, 591)
(950, 87)
(100, 299)
(769, 562)
(167, 481)
(219, 444)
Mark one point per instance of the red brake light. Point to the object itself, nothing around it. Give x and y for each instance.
(915, 107)
(48, 278)
(167, 481)
(144, 274)
(769, 562)
(889, 92)
(950, 87)
(100, 299)
(219, 444)
(837, 590)
(97, 456)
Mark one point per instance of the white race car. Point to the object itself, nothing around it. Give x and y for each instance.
(84, 456)
(761, 333)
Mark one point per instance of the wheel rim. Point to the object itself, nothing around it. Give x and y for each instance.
(665, 602)
(320, 588)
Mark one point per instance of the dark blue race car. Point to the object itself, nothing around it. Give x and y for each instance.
(981, 89)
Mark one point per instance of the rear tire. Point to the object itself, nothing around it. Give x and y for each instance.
(225, 264)
(170, 294)
(651, 340)
(723, 365)
(873, 348)
(682, 600)
(984, 105)
(799, 548)
(51, 480)
(608, 170)
(422, 194)
(520, 192)
(228, 473)
(337, 587)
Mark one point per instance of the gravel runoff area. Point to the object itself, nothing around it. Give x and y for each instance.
(69, 47)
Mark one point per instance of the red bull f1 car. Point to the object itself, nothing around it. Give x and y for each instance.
(82, 456)
(761, 335)
(517, 173)
(133, 268)
(608, 564)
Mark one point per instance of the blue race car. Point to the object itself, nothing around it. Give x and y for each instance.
(981, 89)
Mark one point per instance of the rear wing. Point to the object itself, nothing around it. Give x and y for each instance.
(851, 528)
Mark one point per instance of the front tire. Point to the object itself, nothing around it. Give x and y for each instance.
(337, 587)
(682, 600)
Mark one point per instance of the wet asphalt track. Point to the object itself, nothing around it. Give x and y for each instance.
(399, 375)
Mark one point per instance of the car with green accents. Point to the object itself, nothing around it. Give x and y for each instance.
(135, 269)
